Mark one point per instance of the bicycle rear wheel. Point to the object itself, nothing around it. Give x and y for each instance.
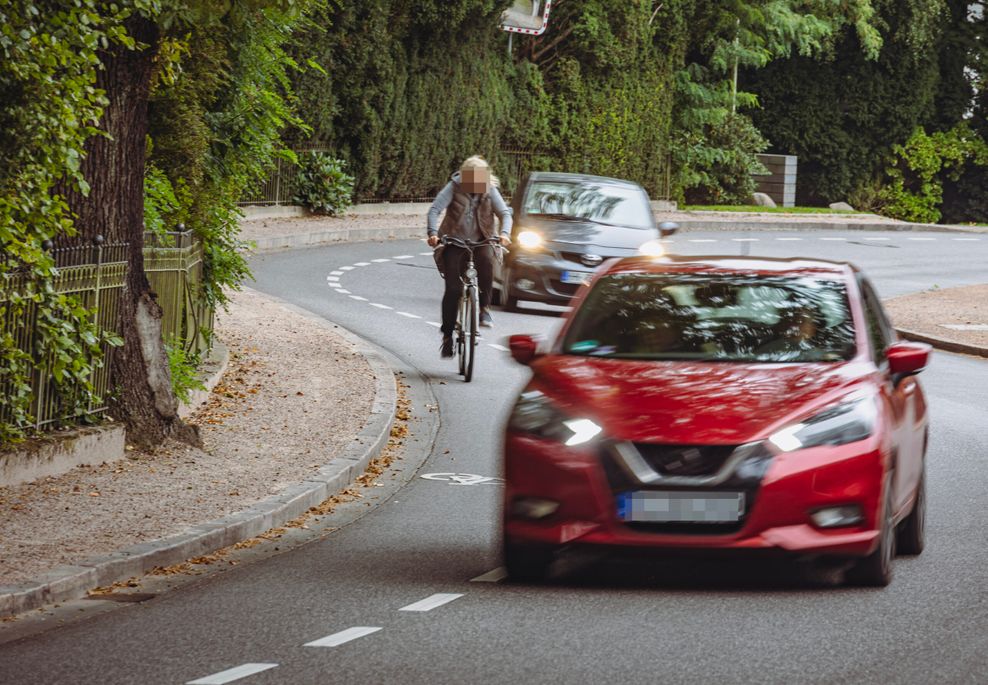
(472, 322)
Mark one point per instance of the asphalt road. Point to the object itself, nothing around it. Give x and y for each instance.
(597, 621)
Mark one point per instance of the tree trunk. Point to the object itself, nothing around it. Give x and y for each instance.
(114, 208)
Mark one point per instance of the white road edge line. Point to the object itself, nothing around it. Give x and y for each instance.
(499, 347)
(379, 306)
(432, 601)
(358, 298)
(337, 639)
(410, 316)
(231, 674)
(493, 576)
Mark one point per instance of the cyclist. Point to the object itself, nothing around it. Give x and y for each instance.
(471, 199)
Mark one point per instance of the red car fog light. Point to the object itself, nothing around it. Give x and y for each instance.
(838, 517)
(533, 508)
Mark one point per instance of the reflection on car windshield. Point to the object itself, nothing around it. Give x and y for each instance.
(714, 317)
(612, 204)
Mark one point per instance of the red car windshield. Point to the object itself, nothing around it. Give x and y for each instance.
(714, 317)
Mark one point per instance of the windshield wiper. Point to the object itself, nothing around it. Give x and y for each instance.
(564, 217)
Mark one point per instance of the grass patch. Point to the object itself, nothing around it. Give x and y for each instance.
(770, 210)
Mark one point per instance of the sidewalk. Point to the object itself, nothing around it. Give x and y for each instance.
(952, 319)
(279, 414)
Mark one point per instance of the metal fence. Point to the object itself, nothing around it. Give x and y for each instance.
(95, 274)
(174, 267)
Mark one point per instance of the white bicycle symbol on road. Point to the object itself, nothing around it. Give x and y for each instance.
(463, 479)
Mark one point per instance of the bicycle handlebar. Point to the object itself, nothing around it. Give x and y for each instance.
(469, 244)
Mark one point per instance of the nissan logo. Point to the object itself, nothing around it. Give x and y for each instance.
(591, 259)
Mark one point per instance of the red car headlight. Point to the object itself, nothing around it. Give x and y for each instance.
(850, 420)
(536, 414)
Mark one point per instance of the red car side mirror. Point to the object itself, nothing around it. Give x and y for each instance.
(907, 358)
(524, 348)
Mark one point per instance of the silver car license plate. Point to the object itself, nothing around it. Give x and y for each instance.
(576, 277)
(652, 506)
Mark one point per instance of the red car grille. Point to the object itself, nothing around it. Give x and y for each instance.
(685, 460)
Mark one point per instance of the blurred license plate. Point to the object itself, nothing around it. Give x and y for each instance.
(678, 507)
(576, 277)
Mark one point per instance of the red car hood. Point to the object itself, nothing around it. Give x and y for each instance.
(690, 402)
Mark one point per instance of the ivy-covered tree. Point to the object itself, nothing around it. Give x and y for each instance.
(76, 89)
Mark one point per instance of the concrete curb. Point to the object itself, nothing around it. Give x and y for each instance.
(71, 582)
(943, 343)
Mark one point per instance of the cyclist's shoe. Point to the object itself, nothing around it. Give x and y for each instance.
(446, 349)
(486, 320)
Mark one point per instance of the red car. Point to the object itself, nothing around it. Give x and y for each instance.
(725, 404)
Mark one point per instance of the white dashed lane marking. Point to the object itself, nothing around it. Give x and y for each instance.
(380, 261)
(410, 316)
(834, 238)
(967, 239)
(745, 240)
(425, 254)
(432, 601)
(337, 639)
(345, 268)
(338, 272)
(232, 674)
(341, 291)
(701, 240)
(404, 256)
(358, 298)
(332, 279)
(433, 323)
(379, 305)
(923, 239)
(361, 263)
(875, 237)
(499, 347)
(493, 576)
(789, 239)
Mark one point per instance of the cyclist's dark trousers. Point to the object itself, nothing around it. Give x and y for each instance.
(455, 260)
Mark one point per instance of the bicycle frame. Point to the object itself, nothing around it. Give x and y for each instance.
(468, 316)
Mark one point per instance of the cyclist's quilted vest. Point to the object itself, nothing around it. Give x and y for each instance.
(458, 207)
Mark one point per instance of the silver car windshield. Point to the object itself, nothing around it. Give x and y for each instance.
(714, 318)
(611, 204)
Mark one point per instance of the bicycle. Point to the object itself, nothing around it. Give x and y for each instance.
(468, 309)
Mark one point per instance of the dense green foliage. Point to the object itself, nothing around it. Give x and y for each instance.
(922, 165)
(853, 120)
(322, 184)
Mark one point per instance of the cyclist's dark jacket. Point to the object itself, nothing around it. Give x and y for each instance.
(468, 215)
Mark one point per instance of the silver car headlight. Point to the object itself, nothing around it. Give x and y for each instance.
(536, 414)
(850, 420)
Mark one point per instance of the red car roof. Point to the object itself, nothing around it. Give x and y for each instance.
(731, 265)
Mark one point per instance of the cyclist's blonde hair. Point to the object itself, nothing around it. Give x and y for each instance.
(478, 162)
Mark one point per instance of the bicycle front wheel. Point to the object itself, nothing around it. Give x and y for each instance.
(461, 336)
(472, 324)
